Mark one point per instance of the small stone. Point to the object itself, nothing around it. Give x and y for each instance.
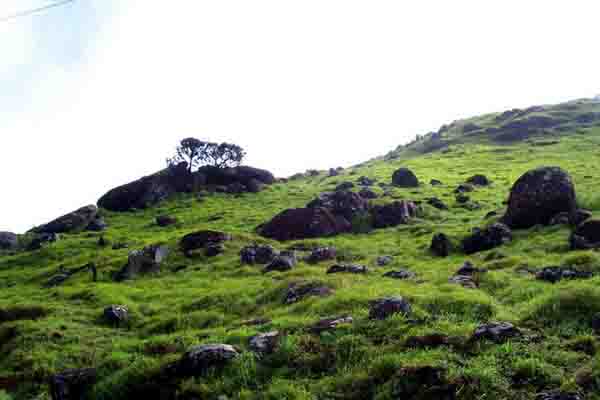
(349, 268)
(116, 314)
(322, 254)
(400, 274)
(264, 343)
(496, 332)
(385, 307)
(479, 180)
(437, 203)
(382, 261)
(299, 291)
(435, 182)
(440, 245)
(328, 324)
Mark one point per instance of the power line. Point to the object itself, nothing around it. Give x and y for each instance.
(34, 10)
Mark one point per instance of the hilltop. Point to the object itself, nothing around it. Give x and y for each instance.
(405, 277)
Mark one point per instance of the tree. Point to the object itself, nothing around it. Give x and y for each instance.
(196, 152)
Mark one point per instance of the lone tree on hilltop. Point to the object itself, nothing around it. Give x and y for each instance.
(196, 152)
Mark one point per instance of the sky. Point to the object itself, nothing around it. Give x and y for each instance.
(96, 93)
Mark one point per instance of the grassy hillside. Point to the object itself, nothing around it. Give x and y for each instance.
(210, 300)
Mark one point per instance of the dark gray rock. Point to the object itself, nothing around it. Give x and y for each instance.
(201, 240)
(435, 182)
(75, 221)
(304, 223)
(214, 249)
(496, 332)
(393, 214)
(366, 181)
(255, 186)
(464, 188)
(437, 203)
(344, 186)
(385, 307)
(42, 239)
(479, 180)
(258, 254)
(538, 195)
(400, 274)
(329, 324)
(462, 198)
(321, 254)
(404, 177)
(596, 323)
(8, 241)
(586, 235)
(367, 194)
(72, 384)
(143, 261)
(494, 235)
(116, 314)
(165, 220)
(558, 395)
(98, 224)
(265, 343)
(382, 261)
(347, 268)
(282, 262)
(201, 359)
(341, 203)
(299, 291)
(440, 245)
(555, 274)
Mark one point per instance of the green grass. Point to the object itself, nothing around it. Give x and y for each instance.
(49, 330)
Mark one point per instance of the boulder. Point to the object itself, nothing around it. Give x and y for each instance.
(464, 188)
(496, 332)
(321, 254)
(393, 214)
(347, 268)
(165, 220)
(494, 235)
(303, 223)
(8, 241)
(98, 224)
(201, 359)
(75, 221)
(264, 343)
(201, 240)
(72, 384)
(462, 198)
(400, 274)
(440, 245)
(539, 195)
(435, 182)
(341, 203)
(255, 186)
(575, 219)
(282, 262)
(404, 177)
(149, 190)
(329, 324)
(236, 188)
(479, 180)
(143, 261)
(116, 314)
(242, 175)
(586, 235)
(385, 307)
(299, 291)
(465, 281)
(214, 249)
(257, 254)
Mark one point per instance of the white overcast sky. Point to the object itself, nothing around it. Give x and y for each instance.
(98, 92)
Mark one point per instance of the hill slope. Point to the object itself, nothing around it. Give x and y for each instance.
(425, 355)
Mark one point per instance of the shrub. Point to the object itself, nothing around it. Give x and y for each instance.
(196, 152)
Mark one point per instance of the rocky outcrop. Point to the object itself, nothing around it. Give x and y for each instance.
(405, 178)
(341, 203)
(154, 188)
(201, 240)
(143, 261)
(8, 241)
(303, 223)
(538, 195)
(75, 221)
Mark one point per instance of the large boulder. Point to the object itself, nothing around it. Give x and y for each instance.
(227, 176)
(201, 240)
(494, 235)
(586, 235)
(75, 221)
(404, 177)
(303, 223)
(149, 190)
(385, 307)
(201, 359)
(539, 195)
(393, 214)
(343, 203)
(8, 241)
